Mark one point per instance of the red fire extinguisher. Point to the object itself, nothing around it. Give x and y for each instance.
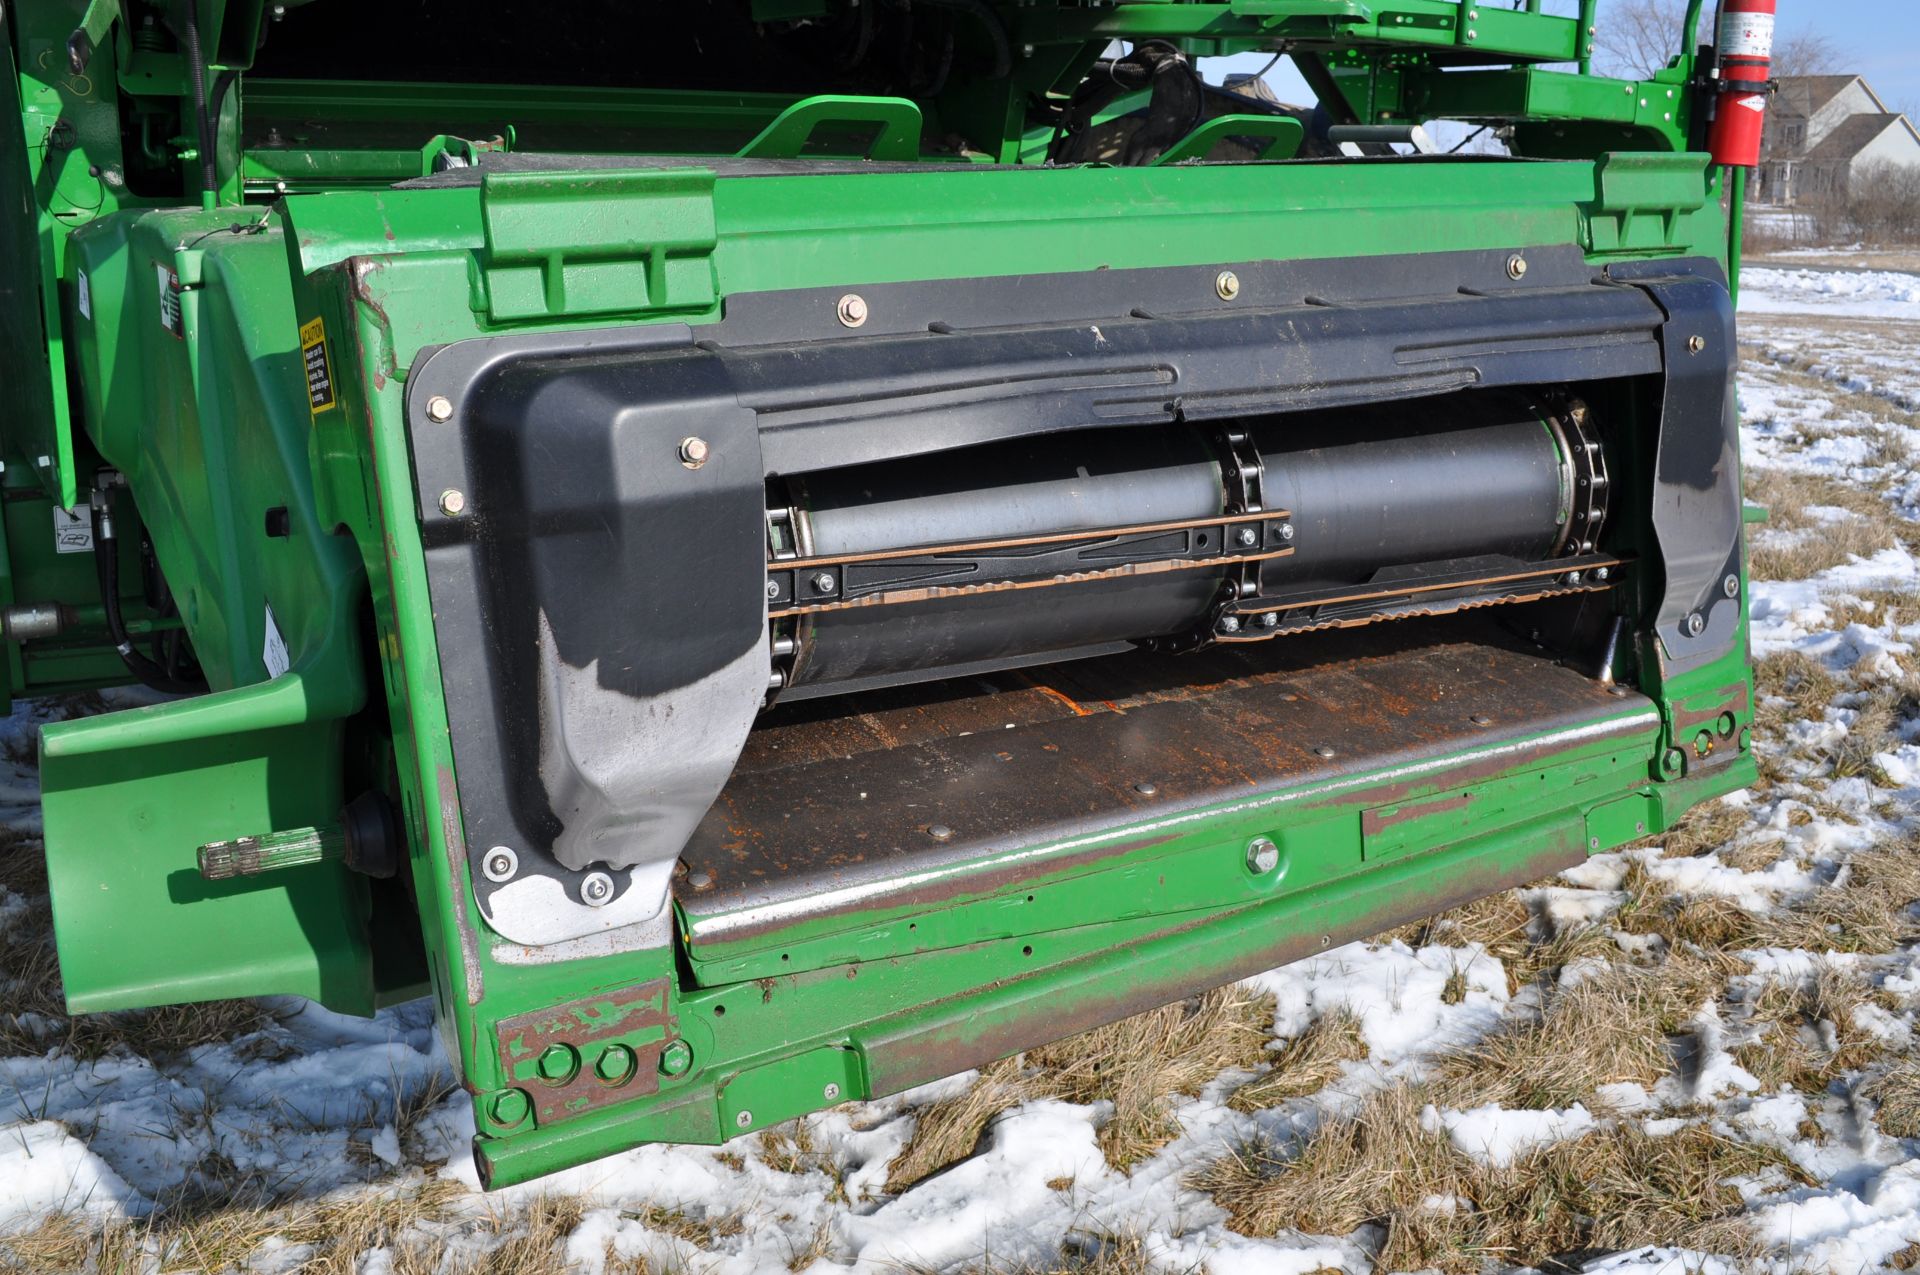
(1745, 42)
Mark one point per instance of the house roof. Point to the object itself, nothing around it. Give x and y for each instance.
(1853, 135)
(1804, 94)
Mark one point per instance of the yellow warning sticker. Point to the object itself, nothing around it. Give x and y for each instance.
(313, 350)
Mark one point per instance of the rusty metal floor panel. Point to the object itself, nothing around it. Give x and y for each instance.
(845, 804)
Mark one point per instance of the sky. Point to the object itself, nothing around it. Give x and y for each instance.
(1879, 39)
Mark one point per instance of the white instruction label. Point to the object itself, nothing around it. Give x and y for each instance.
(1746, 35)
(169, 285)
(72, 530)
(86, 296)
(274, 655)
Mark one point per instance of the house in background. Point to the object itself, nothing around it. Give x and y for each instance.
(1821, 130)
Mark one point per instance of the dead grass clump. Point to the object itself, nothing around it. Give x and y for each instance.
(533, 1243)
(1608, 1027)
(1809, 1036)
(1705, 828)
(1309, 1062)
(1383, 1166)
(1139, 1064)
(1896, 1093)
(1709, 923)
(1086, 1254)
(1864, 909)
(701, 1232)
(1801, 544)
(791, 1148)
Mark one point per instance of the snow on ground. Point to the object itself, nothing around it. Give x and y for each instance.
(1877, 294)
(301, 1105)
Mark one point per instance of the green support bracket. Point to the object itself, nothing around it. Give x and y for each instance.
(1281, 135)
(897, 120)
(570, 244)
(94, 25)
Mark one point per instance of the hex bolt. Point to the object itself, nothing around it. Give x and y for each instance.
(1247, 536)
(1731, 586)
(852, 310)
(1695, 344)
(693, 452)
(676, 1059)
(596, 891)
(1262, 856)
(1286, 530)
(453, 502)
(773, 589)
(823, 583)
(1573, 577)
(1516, 266)
(940, 832)
(700, 880)
(439, 409)
(1601, 573)
(744, 1119)
(1696, 624)
(1269, 619)
(500, 864)
(1229, 624)
(831, 1092)
(1227, 284)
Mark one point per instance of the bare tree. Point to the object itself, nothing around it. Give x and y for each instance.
(1806, 53)
(1638, 37)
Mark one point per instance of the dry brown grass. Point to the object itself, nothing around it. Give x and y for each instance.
(1140, 1064)
(1797, 544)
(791, 1148)
(1896, 1095)
(701, 1232)
(1528, 948)
(1611, 1025)
(1808, 1035)
(1084, 1253)
(1612, 1188)
(1707, 827)
(1308, 1063)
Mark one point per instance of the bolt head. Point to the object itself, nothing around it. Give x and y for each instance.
(700, 880)
(1324, 751)
(1227, 285)
(1696, 624)
(1695, 344)
(500, 864)
(676, 1058)
(1262, 856)
(940, 832)
(597, 889)
(1229, 624)
(1146, 788)
(1516, 267)
(823, 582)
(1601, 573)
(852, 310)
(773, 589)
(1247, 536)
(453, 502)
(1286, 530)
(693, 452)
(831, 1092)
(1481, 719)
(1731, 586)
(1269, 619)
(439, 409)
(1573, 577)
(743, 1120)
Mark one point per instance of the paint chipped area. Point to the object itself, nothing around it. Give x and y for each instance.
(1698, 1053)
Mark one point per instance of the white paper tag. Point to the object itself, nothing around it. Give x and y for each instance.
(1746, 35)
(86, 296)
(274, 656)
(72, 530)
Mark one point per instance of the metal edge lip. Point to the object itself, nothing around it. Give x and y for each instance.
(828, 900)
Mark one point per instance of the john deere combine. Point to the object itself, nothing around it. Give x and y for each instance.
(768, 551)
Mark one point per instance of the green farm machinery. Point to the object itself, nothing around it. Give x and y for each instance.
(764, 552)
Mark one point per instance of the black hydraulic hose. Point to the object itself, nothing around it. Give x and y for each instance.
(106, 563)
(983, 13)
